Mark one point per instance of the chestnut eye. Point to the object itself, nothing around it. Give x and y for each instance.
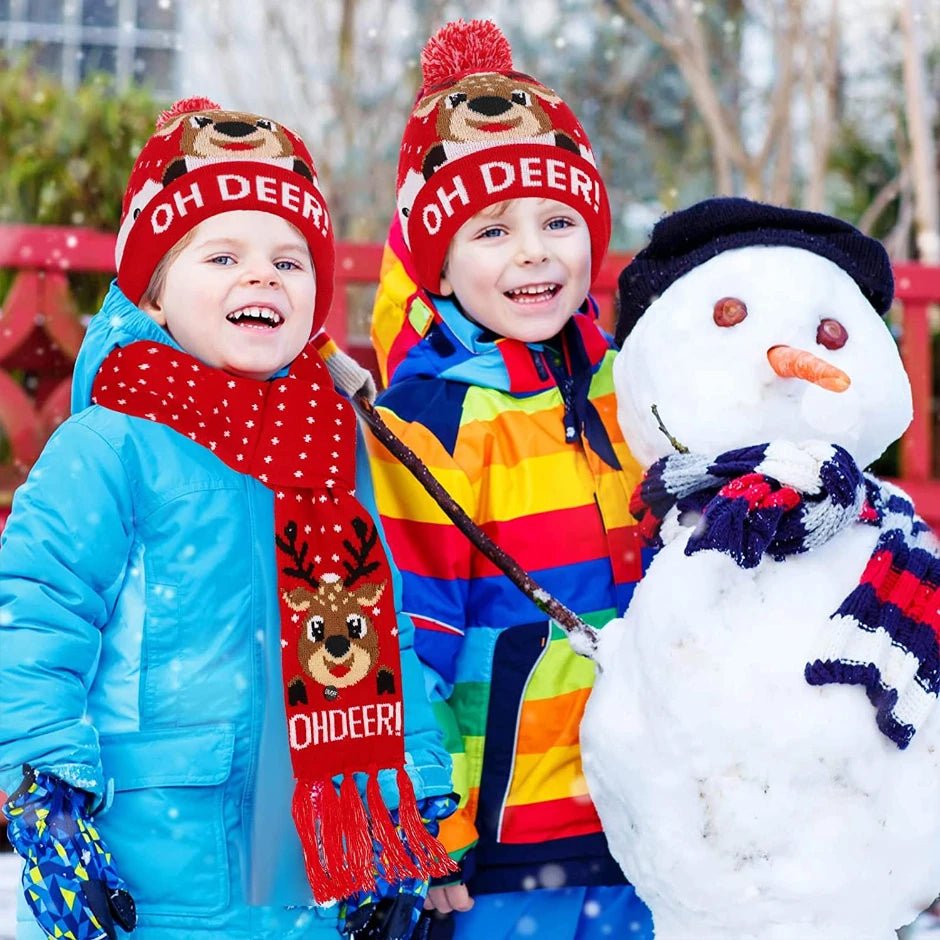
(729, 311)
(356, 626)
(831, 334)
(315, 629)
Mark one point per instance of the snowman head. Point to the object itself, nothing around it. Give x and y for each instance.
(743, 290)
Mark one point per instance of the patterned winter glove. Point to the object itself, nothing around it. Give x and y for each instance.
(392, 910)
(69, 879)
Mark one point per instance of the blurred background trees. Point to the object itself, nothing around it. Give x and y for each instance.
(824, 104)
(65, 155)
(817, 103)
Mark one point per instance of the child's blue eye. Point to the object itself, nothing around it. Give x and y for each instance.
(287, 265)
(490, 232)
(560, 223)
(222, 259)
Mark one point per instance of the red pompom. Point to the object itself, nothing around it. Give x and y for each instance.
(186, 106)
(458, 47)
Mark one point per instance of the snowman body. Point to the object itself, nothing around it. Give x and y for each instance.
(741, 801)
(811, 825)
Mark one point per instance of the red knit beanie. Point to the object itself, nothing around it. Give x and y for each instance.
(481, 133)
(203, 161)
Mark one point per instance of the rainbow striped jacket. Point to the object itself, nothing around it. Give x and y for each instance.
(525, 438)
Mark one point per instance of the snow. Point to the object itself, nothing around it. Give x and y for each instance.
(9, 885)
(742, 802)
(926, 928)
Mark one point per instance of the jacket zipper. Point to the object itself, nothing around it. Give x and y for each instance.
(565, 382)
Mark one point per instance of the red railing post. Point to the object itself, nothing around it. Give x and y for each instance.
(916, 353)
(917, 288)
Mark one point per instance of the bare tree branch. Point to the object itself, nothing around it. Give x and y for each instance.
(785, 44)
(649, 26)
(897, 240)
(882, 199)
(684, 40)
(725, 128)
(823, 66)
(924, 179)
(781, 180)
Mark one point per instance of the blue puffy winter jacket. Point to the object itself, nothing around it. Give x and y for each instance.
(140, 660)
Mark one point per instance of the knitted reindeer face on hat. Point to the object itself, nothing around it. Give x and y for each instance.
(203, 161)
(481, 133)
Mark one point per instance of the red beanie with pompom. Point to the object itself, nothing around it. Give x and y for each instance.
(481, 132)
(203, 160)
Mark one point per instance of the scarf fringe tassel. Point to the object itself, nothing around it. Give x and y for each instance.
(345, 845)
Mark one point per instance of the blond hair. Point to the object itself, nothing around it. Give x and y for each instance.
(154, 290)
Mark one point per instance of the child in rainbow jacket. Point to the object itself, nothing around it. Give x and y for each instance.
(500, 380)
(200, 636)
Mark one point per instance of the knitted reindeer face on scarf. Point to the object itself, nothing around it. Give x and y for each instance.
(337, 646)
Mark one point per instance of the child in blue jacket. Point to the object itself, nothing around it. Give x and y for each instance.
(199, 635)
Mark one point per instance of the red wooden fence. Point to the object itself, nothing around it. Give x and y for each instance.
(40, 332)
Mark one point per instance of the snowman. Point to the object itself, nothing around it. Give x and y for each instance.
(762, 741)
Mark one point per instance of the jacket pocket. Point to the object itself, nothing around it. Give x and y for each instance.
(165, 826)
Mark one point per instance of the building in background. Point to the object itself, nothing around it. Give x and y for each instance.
(133, 40)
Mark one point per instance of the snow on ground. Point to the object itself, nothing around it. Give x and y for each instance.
(925, 928)
(9, 881)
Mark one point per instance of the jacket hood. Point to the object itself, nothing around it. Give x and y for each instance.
(117, 323)
(416, 334)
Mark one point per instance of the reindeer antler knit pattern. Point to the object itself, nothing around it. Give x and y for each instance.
(782, 499)
(340, 654)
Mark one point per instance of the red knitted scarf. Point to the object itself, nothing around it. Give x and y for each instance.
(339, 632)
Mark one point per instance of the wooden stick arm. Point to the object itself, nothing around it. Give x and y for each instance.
(584, 638)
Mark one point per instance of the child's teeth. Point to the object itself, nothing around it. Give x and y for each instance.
(263, 314)
(533, 291)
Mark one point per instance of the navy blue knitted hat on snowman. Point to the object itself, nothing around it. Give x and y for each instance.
(685, 239)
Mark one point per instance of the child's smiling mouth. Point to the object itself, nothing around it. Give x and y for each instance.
(256, 317)
(532, 293)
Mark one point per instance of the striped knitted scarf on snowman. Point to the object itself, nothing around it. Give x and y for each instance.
(780, 500)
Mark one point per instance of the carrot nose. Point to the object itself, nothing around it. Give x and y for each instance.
(791, 363)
